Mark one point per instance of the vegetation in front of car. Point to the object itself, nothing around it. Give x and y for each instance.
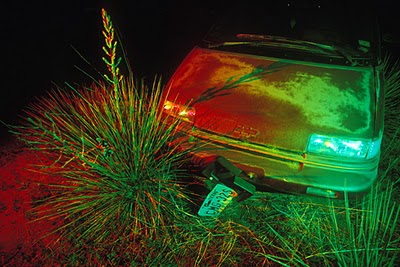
(121, 180)
(233, 82)
(120, 197)
(391, 69)
(370, 228)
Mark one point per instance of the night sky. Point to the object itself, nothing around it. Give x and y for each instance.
(38, 36)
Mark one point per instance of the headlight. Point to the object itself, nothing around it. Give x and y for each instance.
(343, 147)
(183, 112)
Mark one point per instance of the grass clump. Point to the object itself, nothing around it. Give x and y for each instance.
(321, 232)
(372, 239)
(110, 142)
(391, 69)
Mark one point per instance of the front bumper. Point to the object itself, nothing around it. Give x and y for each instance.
(270, 169)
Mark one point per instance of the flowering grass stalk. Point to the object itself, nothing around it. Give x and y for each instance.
(110, 142)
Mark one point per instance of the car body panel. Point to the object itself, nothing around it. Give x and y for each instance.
(267, 165)
(281, 108)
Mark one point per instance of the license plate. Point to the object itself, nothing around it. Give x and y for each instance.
(216, 201)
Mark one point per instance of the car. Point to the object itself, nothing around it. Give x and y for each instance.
(285, 98)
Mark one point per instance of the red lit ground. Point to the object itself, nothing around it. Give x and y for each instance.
(19, 188)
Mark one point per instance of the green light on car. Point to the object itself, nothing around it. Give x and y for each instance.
(342, 147)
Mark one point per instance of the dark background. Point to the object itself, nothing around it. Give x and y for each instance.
(37, 39)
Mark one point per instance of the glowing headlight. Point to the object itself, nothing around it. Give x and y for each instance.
(343, 147)
(183, 112)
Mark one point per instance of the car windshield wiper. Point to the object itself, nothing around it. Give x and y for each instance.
(278, 41)
(269, 44)
(272, 38)
(332, 48)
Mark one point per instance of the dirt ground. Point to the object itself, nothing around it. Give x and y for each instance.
(20, 242)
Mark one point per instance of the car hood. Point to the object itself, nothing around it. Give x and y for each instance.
(274, 102)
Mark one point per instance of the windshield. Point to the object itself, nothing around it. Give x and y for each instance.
(349, 31)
